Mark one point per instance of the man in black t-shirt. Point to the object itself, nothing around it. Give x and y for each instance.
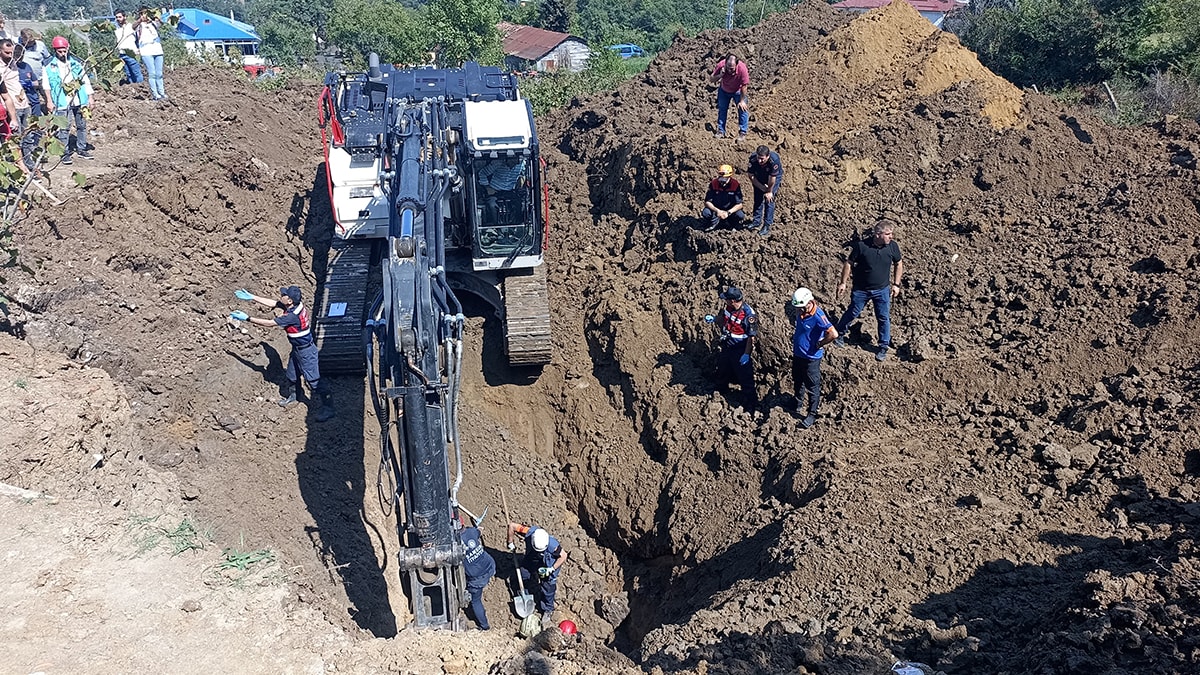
(723, 201)
(877, 270)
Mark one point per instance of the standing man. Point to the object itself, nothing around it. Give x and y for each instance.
(479, 567)
(36, 54)
(877, 273)
(292, 317)
(11, 74)
(61, 71)
(739, 329)
(813, 332)
(544, 556)
(732, 78)
(127, 49)
(723, 202)
(766, 174)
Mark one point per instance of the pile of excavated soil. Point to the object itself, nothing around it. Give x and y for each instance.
(1014, 491)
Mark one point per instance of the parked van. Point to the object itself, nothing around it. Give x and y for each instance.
(627, 51)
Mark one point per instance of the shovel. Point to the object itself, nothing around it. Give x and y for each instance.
(523, 603)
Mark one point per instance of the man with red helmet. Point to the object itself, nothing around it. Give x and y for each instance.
(68, 93)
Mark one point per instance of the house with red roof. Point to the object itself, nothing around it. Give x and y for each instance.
(528, 48)
(934, 10)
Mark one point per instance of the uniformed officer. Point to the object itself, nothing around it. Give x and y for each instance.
(292, 317)
(739, 329)
(544, 556)
(480, 567)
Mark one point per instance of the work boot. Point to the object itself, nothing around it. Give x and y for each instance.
(287, 395)
(326, 412)
(839, 342)
(765, 231)
(882, 354)
(807, 422)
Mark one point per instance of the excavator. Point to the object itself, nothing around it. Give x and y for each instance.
(437, 188)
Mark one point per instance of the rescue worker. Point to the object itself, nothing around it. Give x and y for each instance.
(723, 202)
(739, 329)
(544, 556)
(814, 330)
(766, 175)
(292, 317)
(479, 567)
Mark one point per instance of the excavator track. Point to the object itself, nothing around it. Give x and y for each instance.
(527, 318)
(339, 338)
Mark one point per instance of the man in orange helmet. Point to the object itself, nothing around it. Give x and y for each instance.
(723, 202)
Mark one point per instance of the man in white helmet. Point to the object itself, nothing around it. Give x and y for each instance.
(814, 330)
(544, 556)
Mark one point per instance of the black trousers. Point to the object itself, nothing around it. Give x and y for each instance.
(806, 377)
(729, 368)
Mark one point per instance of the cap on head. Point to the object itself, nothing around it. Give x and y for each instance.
(541, 540)
(725, 171)
(567, 627)
(732, 293)
(60, 42)
(292, 292)
(802, 297)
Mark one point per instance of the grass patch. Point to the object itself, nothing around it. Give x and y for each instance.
(240, 567)
(148, 535)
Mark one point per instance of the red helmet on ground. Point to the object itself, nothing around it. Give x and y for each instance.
(568, 627)
(60, 42)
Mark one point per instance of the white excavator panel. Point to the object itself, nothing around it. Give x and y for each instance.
(497, 126)
(359, 206)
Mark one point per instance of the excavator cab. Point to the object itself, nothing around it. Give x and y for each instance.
(503, 201)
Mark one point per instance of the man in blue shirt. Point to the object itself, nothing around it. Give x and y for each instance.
(814, 330)
(499, 175)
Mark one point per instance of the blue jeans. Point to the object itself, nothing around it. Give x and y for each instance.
(764, 211)
(133, 69)
(881, 300)
(64, 135)
(154, 75)
(29, 139)
(723, 99)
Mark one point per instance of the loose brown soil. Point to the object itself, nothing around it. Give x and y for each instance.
(1015, 491)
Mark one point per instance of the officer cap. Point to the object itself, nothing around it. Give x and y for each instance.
(732, 293)
(292, 292)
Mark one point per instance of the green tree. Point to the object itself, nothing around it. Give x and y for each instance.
(381, 26)
(289, 29)
(466, 30)
(554, 15)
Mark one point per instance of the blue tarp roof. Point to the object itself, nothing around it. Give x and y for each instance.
(199, 25)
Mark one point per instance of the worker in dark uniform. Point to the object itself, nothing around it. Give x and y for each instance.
(544, 556)
(766, 174)
(479, 567)
(723, 202)
(292, 317)
(739, 329)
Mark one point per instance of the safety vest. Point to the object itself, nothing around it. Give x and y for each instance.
(299, 335)
(737, 324)
(54, 78)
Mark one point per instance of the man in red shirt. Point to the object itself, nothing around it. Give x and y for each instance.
(733, 78)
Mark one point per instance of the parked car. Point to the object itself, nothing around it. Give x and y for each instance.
(628, 51)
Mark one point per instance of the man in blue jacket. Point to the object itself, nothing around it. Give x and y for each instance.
(544, 556)
(479, 567)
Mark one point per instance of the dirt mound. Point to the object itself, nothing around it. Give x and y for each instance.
(1041, 385)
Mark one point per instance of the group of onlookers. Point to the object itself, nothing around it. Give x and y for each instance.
(36, 80)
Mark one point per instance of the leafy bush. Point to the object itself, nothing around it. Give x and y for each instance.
(605, 71)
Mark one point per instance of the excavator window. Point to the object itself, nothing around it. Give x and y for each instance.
(503, 204)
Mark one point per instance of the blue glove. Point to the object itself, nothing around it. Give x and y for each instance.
(545, 572)
(239, 315)
(243, 294)
(709, 318)
(745, 359)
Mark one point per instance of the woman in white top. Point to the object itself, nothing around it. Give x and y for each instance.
(150, 45)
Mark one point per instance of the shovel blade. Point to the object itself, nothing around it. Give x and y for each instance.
(523, 605)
